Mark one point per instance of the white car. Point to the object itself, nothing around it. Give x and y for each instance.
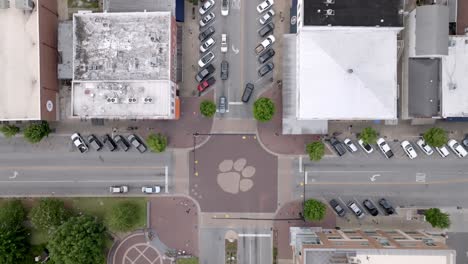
(225, 8)
(385, 148)
(350, 145)
(267, 17)
(118, 189)
(207, 45)
(206, 7)
(366, 147)
(207, 19)
(207, 58)
(79, 143)
(458, 149)
(443, 151)
(424, 147)
(409, 150)
(263, 6)
(151, 189)
(224, 44)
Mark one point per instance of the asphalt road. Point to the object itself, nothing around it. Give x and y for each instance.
(420, 182)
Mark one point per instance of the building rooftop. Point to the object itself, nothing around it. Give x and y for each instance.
(139, 5)
(454, 78)
(383, 13)
(347, 73)
(19, 60)
(424, 87)
(121, 46)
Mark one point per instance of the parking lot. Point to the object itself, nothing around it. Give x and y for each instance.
(243, 65)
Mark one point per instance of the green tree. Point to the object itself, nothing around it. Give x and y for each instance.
(314, 210)
(368, 135)
(48, 214)
(435, 137)
(437, 218)
(123, 216)
(12, 214)
(9, 130)
(36, 132)
(316, 150)
(207, 108)
(80, 240)
(14, 244)
(157, 142)
(264, 109)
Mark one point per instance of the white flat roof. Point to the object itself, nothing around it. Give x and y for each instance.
(401, 259)
(455, 79)
(347, 73)
(19, 60)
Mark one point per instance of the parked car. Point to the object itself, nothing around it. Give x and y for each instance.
(350, 145)
(79, 142)
(266, 56)
(137, 143)
(118, 189)
(465, 141)
(224, 43)
(443, 151)
(424, 147)
(205, 73)
(265, 44)
(366, 147)
(267, 17)
(207, 45)
(338, 146)
(409, 150)
(94, 142)
(224, 70)
(121, 142)
(266, 29)
(356, 210)
(109, 143)
(206, 33)
(225, 7)
(340, 211)
(205, 59)
(458, 149)
(385, 148)
(206, 84)
(207, 19)
(263, 6)
(206, 6)
(369, 205)
(266, 69)
(248, 91)
(151, 189)
(388, 208)
(222, 104)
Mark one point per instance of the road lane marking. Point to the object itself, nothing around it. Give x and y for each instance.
(420, 177)
(83, 181)
(254, 235)
(305, 177)
(348, 171)
(84, 167)
(236, 103)
(392, 183)
(166, 180)
(373, 177)
(300, 164)
(15, 173)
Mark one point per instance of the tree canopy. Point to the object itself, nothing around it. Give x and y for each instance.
(9, 130)
(80, 240)
(48, 214)
(207, 108)
(263, 109)
(314, 210)
(435, 137)
(316, 150)
(157, 142)
(13, 236)
(437, 218)
(12, 214)
(368, 135)
(36, 132)
(123, 216)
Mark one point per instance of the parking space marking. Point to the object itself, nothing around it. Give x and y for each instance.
(421, 177)
(236, 103)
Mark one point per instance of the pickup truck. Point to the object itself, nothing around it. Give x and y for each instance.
(265, 44)
(385, 148)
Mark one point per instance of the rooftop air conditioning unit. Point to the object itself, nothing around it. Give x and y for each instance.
(112, 100)
(148, 100)
(132, 100)
(452, 86)
(4, 4)
(27, 5)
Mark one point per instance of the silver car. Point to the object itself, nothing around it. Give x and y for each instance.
(222, 104)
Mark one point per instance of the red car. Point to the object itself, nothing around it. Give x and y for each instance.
(206, 83)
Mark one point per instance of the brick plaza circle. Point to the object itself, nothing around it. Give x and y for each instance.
(134, 250)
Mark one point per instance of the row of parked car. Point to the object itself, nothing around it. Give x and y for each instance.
(263, 49)
(112, 144)
(457, 148)
(368, 204)
(145, 189)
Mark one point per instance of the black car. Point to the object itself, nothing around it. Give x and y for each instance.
(266, 30)
(370, 207)
(206, 33)
(248, 91)
(386, 206)
(266, 56)
(340, 211)
(122, 142)
(266, 69)
(224, 70)
(109, 143)
(338, 146)
(94, 142)
(205, 72)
